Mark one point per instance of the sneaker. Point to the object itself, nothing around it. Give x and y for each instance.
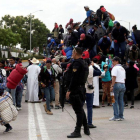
(121, 119)
(132, 107)
(95, 106)
(113, 119)
(126, 106)
(58, 107)
(9, 128)
(19, 108)
(91, 126)
(49, 112)
(45, 107)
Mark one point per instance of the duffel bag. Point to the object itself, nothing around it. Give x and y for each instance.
(8, 110)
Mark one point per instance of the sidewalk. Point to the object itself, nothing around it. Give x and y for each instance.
(34, 124)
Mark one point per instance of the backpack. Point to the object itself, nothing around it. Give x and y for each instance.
(93, 15)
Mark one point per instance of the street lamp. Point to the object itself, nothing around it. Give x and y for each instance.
(126, 22)
(31, 29)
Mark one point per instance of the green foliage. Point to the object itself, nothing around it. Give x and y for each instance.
(8, 38)
(21, 25)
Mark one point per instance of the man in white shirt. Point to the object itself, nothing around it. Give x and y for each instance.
(118, 87)
(58, 70)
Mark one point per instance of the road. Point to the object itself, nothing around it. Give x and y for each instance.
(33, 123)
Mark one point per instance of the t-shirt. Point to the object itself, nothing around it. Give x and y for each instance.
(119, 72)
(104, 45)
(49, 70)
(88, 13)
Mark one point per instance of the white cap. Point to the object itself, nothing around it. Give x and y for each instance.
(49, 38)
(86, 6)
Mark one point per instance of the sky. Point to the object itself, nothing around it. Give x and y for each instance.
(61, 11)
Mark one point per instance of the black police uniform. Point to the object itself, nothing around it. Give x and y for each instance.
(77, 96)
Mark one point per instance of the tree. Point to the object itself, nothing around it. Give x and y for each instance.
(21, 25)
(8, 38)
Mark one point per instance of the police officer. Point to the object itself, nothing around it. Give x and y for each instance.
(76, 92)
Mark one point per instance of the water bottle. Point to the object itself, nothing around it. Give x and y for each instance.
(106, 60)
(112, 97)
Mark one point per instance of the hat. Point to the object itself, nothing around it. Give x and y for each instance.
(100, 53)
(82, 36)
(34, 61)
(116, 59)
(86, 6)
(105, 66)
(60, 45)
(129, 39)
(49, 38)
(115, 22)
(49, 61)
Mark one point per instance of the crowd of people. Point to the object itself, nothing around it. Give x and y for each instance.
(97, 52)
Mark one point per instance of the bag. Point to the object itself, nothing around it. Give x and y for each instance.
(93, 15)
(111, 16)
(111, 24)
(90, 86)
(7, 110)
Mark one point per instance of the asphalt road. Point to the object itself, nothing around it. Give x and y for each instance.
(33, 123)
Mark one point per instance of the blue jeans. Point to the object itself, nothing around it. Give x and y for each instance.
(120, 47)
(12, 92)
(89, 100)
(104, 28)
(118, 106)
(50, 95)
(18, 98)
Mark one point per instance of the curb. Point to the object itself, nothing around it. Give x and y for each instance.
(27, 60)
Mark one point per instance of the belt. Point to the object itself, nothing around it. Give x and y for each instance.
(118, 83)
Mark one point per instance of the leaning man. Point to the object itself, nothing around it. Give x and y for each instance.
(118, 87)
(76, 92)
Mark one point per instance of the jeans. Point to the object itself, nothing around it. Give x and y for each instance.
(18, 98)
(118, 106)
(49, 94)
(89, 100)
(12, 92)
(120, 46)
(104, 28)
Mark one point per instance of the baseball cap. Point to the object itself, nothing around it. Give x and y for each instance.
(82, 36)
(129, 39)
(49, 38)
(105, 66)
(86, 6)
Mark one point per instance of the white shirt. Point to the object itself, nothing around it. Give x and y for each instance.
(119, 72)
(49, 70)
(89, 80)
